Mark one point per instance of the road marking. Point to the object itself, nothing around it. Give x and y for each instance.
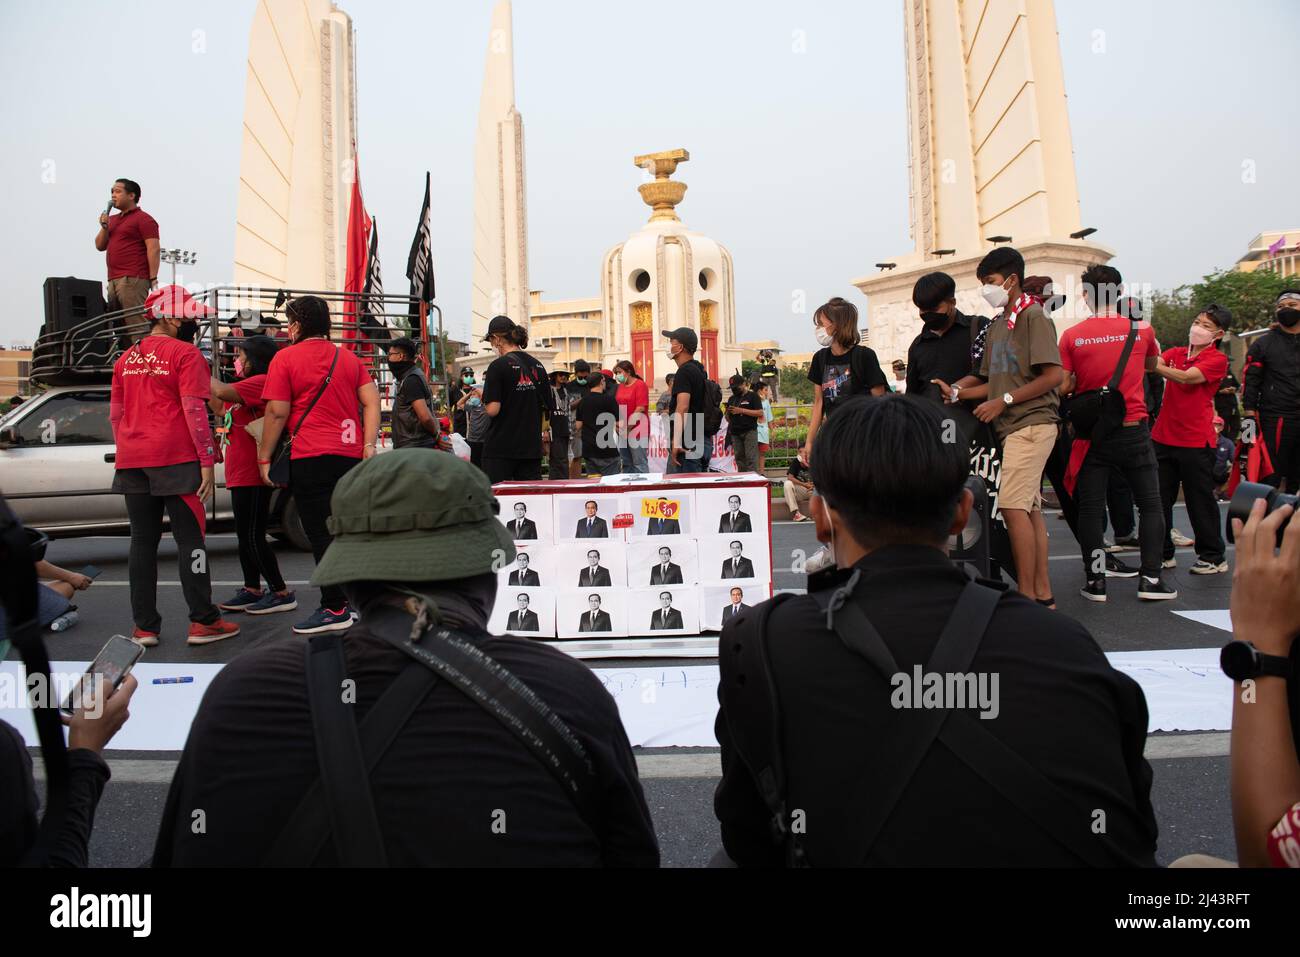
(99, 583)
(696, 764)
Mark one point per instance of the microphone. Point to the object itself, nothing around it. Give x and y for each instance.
(109, 208)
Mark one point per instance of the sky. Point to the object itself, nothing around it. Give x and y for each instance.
(794, 113)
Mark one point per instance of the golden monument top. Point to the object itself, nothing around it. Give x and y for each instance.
(663, 194)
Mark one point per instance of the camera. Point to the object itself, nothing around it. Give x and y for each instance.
(1243, 499)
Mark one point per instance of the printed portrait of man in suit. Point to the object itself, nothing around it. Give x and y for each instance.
(522, 528)
(735, 607)
(667, 617)
(664, 526)
(524, 577)
(734, 520)
(522, 619)
(594, 575)
(592, 525)
(594, 619)
(737, 566)
(665, 572)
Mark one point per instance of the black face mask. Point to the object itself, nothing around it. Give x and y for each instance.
(400, 369)
(187, 331)
(934, 320)
(1288, 317)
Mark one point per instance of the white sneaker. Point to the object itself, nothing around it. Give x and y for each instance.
(1180, 540)
(1169, 563)
(1202, 567)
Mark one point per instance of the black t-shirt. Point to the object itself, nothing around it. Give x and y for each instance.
(598, 413)
(447, 777)
(459, 421)
(689, 378)
(518, 382)
(855, 372)
(740, 424)
(945, 357)
(799, 471)
(1071, 715)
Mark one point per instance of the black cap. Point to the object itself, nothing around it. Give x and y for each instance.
(499, 326)
(686, 336)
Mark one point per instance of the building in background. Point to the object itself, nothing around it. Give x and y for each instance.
(15, 371)
(296, 156)
(665, 276)
(1277, 252)
(570, 327)
(991, 158)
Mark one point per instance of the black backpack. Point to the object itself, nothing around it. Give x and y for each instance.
(712, 407)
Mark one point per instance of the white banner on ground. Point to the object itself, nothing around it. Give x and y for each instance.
(722, 461)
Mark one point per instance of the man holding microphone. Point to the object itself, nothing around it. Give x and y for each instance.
(131, 241)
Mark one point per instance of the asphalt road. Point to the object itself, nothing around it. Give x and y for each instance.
(1191, 771)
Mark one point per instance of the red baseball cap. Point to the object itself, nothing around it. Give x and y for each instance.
(175, 302)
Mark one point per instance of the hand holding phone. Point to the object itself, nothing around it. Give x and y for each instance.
(105, 675)
(94, 725)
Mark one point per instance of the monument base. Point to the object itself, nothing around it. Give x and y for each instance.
(893, 321)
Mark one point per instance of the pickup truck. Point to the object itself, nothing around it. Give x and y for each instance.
(56, 469)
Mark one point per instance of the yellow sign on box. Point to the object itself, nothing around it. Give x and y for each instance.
(660, 508)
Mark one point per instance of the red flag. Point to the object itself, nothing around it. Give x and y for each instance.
(358, 248)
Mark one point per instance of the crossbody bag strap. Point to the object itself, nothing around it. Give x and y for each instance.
(319, 392)
(351, 805)
(953, 653)
(309, 827)
(1113, 384)
(503, 696)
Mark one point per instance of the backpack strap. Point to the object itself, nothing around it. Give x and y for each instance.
(310, 825)
(753, 714)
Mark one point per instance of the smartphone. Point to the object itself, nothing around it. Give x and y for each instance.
(91, 571)
(113, 663)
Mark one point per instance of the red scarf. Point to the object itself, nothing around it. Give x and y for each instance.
(1024, 302)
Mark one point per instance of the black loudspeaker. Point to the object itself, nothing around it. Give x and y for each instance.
(972, 546)
(69, 302)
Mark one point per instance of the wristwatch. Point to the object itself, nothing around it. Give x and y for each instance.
(1007, 399)
(1241, 660)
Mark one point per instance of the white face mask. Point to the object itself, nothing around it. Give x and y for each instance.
(995, 296)
(671, 355)
(824, 338)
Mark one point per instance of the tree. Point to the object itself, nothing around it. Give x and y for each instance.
(750, 369)
(795, 386)
(1248, 295)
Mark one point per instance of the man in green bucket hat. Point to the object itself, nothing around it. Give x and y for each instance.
(417, 548)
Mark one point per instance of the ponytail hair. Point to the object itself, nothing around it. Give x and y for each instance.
(627, 367)
(518, 336)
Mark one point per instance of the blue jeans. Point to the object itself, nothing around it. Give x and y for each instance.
(633, 453)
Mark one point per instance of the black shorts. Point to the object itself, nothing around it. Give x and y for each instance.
(161, 482)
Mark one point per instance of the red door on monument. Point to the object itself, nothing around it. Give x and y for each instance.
(643, 359)
(709, 339)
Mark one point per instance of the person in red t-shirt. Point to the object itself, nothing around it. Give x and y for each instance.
(1185, 440)
(328, 435)
(1090, 353)
(164, 462)
(634, 424)
(131, 241)
(250, 498)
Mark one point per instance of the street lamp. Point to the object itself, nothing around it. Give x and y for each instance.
(183, 257)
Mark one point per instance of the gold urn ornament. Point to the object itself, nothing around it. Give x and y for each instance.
(663, 194)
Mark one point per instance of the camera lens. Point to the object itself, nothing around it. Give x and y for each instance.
(1243, 499)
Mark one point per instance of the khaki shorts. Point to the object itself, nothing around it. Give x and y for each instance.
(1024, 456)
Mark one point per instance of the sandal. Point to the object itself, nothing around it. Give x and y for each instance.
(799, 517)
(1046, 602)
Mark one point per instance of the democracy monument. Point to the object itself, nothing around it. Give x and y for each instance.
(990, 157)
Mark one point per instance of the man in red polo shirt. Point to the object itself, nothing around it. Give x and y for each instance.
(1185, 439)
(131, 241)
(1090, 354)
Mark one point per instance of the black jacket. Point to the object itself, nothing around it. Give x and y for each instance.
(598, 528)
(674, 620)
(672, 577)
(1273, 374)
(1068, 713)
(597, 577)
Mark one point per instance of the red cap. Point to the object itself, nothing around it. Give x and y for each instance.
(175, 302)
(1218, 420)
(606, 373)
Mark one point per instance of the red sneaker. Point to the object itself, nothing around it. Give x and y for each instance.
(207, 634)
(146, 638)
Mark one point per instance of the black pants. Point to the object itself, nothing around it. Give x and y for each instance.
(252, 505)
(558, 463)
(146, 515)
(312, 482)
(512, 470)
(1193, 469)
(1119, 505)
(1282, 439)
(475, 453)
(1126, 449)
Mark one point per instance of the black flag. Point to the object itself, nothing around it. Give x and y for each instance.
(419, 265)
(373, 325)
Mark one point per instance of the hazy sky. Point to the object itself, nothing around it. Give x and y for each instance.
(799, 160)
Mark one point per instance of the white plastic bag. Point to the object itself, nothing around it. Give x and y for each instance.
(459, 446)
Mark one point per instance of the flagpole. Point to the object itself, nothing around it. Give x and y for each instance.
(424, 331)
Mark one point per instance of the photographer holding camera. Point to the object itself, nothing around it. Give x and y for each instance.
(1261, 660)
